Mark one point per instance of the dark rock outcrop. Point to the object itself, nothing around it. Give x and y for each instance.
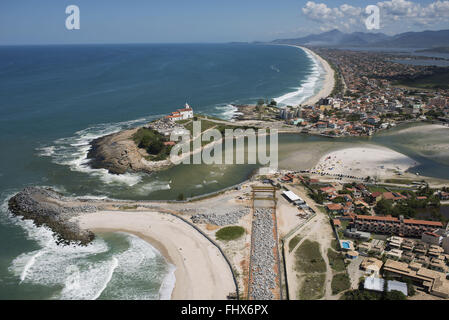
(118, 153)
(46, 207)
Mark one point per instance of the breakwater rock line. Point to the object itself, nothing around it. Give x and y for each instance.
(263, 260)
(220, 219)
(45, 207)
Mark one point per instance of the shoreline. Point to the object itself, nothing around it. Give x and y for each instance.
(328, 83)
(201, 271)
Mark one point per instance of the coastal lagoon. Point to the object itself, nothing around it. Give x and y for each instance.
(55, 100)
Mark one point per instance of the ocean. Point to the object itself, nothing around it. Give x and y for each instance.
(55, 99)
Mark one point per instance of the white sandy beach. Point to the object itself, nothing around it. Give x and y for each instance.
(365, 161)
(201, 271)
(328, 83)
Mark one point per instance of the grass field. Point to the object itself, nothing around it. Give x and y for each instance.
(128, 207)
(335, 245)
(336, 260)
(308, 258)
(376, 189)
(312, 287)
(230, 233)
(398, 181)
(340, 282)
(205, 124)
(293, 242)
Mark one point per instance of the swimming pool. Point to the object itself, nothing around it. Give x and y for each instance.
(345, 245)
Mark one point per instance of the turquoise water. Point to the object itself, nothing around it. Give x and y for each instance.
(55, 99)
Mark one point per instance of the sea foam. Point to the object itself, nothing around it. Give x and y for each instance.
(89, 272)
(307, 88)
(72, 151)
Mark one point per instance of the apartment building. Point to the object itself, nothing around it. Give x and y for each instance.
(397, 226)
(432, 281)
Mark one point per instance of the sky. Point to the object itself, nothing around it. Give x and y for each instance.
(181, 21)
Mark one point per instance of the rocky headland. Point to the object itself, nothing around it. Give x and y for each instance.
(118, 154)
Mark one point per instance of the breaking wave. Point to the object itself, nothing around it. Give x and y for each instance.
(308, 88)
(72, 151)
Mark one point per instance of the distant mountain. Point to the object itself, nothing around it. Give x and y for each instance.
(336, 38)
(424, 39)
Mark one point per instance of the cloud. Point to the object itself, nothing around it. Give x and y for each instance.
(347, 17)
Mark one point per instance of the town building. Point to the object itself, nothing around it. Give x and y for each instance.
(445, 244)
(430, 238)
(432, 281)
(395, 226)
(371, 266)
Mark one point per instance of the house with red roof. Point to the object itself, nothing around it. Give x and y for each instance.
(335, 208)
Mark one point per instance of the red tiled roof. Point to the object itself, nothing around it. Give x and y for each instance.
(334, 206)
(432, 234)
(327, 189)
(424, 222)
(336, 222)
(374, 218)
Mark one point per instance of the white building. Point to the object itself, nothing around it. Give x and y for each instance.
(181, 114)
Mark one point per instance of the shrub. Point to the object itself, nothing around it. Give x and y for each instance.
(230, 233)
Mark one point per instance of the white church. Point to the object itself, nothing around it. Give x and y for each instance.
(181, 114)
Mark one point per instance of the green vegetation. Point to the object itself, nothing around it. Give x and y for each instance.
(411, 206)
(230, 233)
(338, 86)
(376, 189)
(318, 197)
(203, 116)
(205, 125)
(313, 287)
(372, 295)
(336, 260)
(128, 207)
(340, 282)
(438, 80)
(183, 121)
(335, 245)
(308, 258)
(353, 117)
(398, 181)
(153, 142)
(180, 197)
(293, 242)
